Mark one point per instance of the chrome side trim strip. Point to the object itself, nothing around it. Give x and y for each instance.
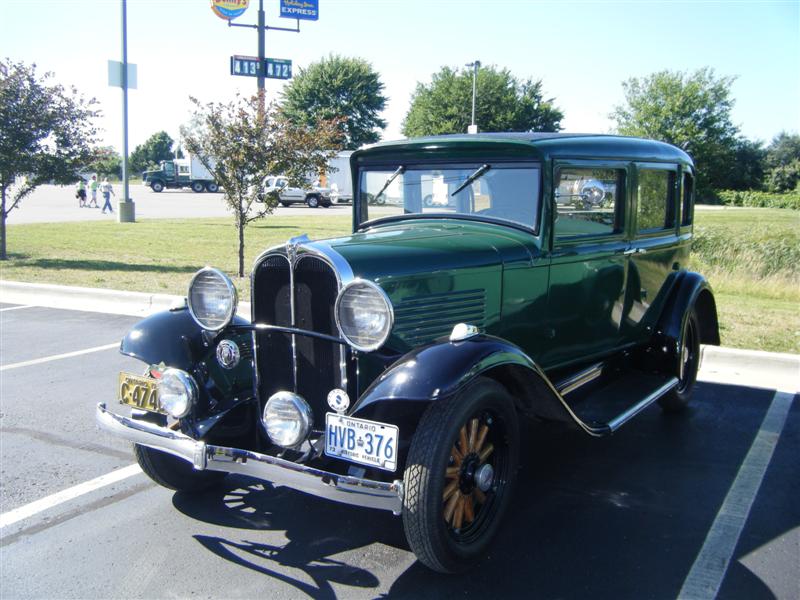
(279, 472)
(580, 379)
(634, 410)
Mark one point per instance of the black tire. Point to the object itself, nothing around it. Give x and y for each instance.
(157, 186)
(688, 364)
(444, 545)
(427, 201)
(197, 187)
(312, 201)
(172, 472)
(285, 204)
(212, 187)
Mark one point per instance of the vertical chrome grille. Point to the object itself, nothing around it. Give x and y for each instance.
(302, 295)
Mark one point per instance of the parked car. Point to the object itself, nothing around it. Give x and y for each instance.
(313, 195)
(392, 368)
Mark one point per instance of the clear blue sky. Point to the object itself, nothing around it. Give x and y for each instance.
(581, 50)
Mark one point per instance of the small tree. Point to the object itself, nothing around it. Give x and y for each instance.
(107, 161)
(241, 145)
(503, 103)
(339, 88)
(46, 134)
(783, 162)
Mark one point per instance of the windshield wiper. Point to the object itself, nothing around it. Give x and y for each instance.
(400, 170)
(473, 177)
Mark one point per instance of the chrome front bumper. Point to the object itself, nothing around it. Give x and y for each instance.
(279, 472)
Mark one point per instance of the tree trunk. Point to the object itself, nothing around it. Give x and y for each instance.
(240, 222)
(3, 255)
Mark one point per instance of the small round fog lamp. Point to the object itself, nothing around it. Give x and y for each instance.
(177, 392)
(287, 418)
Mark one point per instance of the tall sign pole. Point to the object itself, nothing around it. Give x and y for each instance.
(261, 56)
(125, 211)
(475, 65)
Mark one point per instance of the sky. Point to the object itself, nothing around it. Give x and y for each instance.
(581, 50)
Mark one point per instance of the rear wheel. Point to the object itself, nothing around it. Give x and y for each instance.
(459, 476)
(157, 186)
(172, 472)
(688, 364)
(312, 201)
(212, 187)
(285, 204)
(197, 187)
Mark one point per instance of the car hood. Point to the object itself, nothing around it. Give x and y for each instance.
(430, 246)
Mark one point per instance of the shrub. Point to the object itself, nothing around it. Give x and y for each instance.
(757, 199)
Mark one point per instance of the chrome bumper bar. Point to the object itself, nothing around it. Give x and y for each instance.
(279, 472)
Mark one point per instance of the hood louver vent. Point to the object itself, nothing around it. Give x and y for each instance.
(421, 319)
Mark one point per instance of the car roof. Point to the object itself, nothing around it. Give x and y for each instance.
(552, 144)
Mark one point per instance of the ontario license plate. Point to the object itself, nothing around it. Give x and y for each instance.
(139, 392)
(364, 442)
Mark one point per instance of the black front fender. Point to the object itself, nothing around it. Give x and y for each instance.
(440, 370)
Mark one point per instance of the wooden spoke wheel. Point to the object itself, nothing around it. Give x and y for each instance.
(688, 365)
(459, 476)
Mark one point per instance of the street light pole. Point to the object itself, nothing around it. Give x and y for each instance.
(475, 65)
(125, 208)
(261, 55)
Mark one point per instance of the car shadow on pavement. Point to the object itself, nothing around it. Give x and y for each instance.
(619, 517)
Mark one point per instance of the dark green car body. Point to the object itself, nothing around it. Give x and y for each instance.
(521, 276)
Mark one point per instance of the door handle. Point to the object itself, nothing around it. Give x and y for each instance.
(631, 251)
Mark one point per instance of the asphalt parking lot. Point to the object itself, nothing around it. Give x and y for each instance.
(630, 516)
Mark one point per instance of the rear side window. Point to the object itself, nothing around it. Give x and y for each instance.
(688, 199)
(589, 201)
(656, 209)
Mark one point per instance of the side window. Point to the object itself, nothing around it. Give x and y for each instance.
(589, 201)
(688, 199)
(656, 201)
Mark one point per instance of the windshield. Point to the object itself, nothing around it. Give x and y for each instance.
(500, 191)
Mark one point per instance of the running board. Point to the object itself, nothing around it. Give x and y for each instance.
(608, 408)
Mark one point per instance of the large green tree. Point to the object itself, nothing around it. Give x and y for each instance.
(783, 162)
(107, 162)
(342, 89)
(691, 110)
(47, 133)
(156, 148)
(241, 144)
(503, 103)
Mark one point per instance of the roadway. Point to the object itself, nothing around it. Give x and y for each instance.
(623, 517)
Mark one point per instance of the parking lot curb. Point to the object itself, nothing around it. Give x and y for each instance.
(756, 368)
(138, 304)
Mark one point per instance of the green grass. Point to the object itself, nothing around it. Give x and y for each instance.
(148, 256)
(750, 256)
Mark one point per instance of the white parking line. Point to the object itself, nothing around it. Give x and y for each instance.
(708, 571)
(38, 361)
(17, 307)
(24, 512)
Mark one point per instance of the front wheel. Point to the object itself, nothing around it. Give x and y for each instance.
(172, 472)
(157, 186)
(198, 187)
(459, 476)
(688, 365)
(313, 201)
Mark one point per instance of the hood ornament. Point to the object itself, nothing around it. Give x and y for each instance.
(293, 243)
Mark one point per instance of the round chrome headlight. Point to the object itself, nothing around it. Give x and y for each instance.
(212, 299)
(177, 392)
(287, 419)
(364, 315)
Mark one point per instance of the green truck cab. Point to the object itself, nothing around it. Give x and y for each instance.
(488, 280)
(180, 173)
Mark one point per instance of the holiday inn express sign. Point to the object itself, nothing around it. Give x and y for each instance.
(300, 9)
(229, 9)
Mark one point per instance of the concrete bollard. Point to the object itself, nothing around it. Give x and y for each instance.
(126, 211)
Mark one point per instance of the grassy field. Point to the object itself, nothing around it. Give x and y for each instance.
(751, 257)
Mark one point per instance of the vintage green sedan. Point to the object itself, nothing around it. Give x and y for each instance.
(489, 279)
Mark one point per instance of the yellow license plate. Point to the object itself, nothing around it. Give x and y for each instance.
(139, 392)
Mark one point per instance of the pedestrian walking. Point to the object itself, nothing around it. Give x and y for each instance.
(80, 193)
(93, 188)
(107, 190)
